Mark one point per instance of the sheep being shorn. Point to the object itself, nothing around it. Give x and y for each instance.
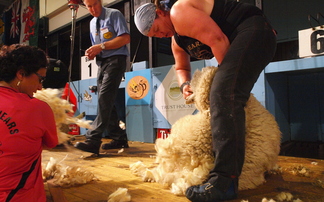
(61, 109)
(185, 157)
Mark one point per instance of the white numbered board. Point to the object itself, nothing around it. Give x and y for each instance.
(311, 41)
(89, 68)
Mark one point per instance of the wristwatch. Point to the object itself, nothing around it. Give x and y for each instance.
(102, 46)
(183, 85)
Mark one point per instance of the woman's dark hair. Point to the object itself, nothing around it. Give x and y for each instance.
(18, 57)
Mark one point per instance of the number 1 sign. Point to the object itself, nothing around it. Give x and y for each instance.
(89, 68)
(311, 41)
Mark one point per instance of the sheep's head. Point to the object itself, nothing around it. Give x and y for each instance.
(200, 84)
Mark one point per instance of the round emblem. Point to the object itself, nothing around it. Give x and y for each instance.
(174, 91)
(107, 35)
(137, 87)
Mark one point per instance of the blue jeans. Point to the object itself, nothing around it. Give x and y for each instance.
(252, 47)
(108, 80)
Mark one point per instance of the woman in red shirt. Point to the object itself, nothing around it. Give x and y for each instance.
(27, 125)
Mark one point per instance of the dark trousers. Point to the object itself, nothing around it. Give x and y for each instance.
(252, 47)
(108, 80)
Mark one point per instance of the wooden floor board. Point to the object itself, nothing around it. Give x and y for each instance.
(112, 170)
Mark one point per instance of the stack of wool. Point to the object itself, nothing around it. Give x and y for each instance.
(66, 176)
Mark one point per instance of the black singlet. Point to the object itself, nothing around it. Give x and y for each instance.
(228, 14)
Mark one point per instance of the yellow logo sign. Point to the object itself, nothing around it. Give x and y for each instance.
(107, 35)
(137, 87)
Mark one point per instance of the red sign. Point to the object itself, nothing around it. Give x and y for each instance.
(163, 133)
(74, 129)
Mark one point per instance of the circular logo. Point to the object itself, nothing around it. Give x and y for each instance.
(137, 87)
(174, 91)
(107, 35)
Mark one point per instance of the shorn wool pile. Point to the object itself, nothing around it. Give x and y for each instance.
(185, 157)
(66, 176)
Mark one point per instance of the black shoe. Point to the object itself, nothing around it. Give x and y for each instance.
(89, 146)
(115, 144)
(208, 193)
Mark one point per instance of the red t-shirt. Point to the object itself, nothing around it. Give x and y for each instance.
(26, 125)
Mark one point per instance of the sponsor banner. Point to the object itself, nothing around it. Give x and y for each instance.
(168, 99)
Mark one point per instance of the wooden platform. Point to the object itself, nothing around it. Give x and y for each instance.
(113, 172)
